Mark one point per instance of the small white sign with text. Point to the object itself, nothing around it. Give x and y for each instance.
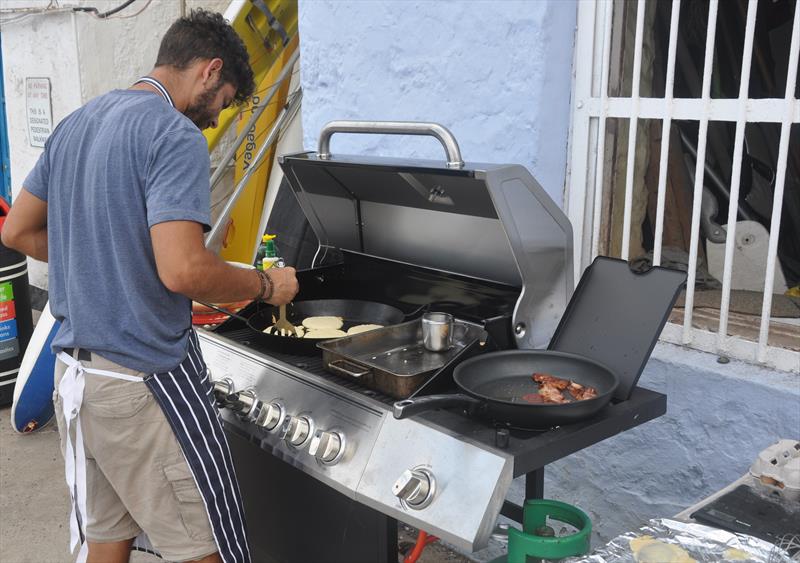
(40, 110)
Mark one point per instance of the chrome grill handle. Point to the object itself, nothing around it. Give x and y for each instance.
(439, 132)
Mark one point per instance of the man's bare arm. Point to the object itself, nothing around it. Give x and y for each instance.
(185, 266)
(25, 228)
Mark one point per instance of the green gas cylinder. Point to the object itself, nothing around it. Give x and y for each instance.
(538, 541)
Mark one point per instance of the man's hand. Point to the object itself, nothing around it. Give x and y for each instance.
(284, 285)
(25, 228)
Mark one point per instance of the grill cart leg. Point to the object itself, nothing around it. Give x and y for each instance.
(534, 488)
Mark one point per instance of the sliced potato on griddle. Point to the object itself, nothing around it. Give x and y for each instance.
(323, 323)
(358, 329)
(324, 333)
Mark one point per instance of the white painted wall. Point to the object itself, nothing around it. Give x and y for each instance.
(40, 46)
(83, 57)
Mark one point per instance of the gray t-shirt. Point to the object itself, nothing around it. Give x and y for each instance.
(111, 170)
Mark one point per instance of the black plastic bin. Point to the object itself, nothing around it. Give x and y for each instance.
(16, 320)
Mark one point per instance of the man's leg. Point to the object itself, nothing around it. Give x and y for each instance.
(137, 454)
(119, 552)
(213, 558)
(111, 552)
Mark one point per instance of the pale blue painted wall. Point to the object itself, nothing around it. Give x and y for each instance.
(497, 74)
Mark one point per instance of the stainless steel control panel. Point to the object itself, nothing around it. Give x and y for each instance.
(298, 421)
(415, 472)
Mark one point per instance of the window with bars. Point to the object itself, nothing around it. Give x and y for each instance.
(685, 152)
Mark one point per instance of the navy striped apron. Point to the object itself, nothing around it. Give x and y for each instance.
(186, 396)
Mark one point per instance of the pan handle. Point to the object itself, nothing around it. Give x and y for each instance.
(410, 407)
(349, 369)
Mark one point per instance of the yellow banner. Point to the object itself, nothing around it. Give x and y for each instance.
(264, 45)
(241, 235)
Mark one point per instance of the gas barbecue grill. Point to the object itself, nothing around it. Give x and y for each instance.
(324, 467)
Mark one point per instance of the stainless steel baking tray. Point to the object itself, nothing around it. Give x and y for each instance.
(392, 359)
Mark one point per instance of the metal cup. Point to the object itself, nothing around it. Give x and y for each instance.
(437, 331)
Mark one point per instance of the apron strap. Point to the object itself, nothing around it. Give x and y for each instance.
(70, 390)
(158, 86)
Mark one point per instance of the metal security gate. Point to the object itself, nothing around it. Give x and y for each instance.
(592, 107)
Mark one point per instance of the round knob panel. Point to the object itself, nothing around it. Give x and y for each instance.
(296, 430)
(270, 415)
(327, 446)
(415, 488)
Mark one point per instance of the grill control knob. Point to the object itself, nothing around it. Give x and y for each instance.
(223, 388)
(270, 415)
(243, 403)
(327, 446)
(296, 430)
(415, 488)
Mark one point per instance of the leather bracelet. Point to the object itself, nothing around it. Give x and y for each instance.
(267, 287)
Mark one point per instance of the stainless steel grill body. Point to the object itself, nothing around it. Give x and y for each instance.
(485, 240)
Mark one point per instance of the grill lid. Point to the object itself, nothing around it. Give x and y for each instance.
(486, 221)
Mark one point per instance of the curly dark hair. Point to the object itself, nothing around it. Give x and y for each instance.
(207, 35)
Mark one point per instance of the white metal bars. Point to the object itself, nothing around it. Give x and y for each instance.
(601, 139)
(633, 127)
(699, 174)
(592, 107)
(666, 126)
(780, 183)
(736, 175)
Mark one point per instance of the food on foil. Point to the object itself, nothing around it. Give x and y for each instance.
(551, 387)
(647, 549)
(664, 540)
(323, 323)
(733, 554)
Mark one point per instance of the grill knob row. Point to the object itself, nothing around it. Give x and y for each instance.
(327, 446)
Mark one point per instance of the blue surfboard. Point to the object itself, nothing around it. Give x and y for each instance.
(33, 394)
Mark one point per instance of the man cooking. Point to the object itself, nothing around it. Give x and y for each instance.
(117, 204)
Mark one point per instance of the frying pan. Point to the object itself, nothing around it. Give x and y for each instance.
(493, 385)
(352, 311)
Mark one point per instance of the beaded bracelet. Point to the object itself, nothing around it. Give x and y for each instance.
(267, 287)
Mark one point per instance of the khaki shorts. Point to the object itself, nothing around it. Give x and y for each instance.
(136, 476)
